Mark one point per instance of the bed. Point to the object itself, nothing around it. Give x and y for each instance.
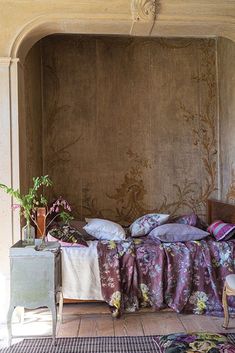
(186, 277)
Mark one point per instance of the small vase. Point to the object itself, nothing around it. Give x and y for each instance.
(28, 234)
(43, 244)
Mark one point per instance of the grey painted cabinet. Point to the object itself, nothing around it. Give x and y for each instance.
(35, 280)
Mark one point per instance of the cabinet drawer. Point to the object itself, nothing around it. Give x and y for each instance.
(31, 279)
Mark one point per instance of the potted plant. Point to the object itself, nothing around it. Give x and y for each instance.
(28, 204)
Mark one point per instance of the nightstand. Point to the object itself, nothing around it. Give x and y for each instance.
(35, 280)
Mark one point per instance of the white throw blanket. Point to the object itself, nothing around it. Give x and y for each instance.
(80, 273)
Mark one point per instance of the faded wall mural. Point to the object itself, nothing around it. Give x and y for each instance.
(129, 124)
(226, 79)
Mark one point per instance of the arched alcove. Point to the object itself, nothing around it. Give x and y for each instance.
(159, 103)
(47, 25)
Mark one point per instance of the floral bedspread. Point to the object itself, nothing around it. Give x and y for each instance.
(187, 277)
(202, 342)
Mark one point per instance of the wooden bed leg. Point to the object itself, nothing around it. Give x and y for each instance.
(225, 306)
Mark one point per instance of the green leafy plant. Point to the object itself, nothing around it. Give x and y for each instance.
(29, 202)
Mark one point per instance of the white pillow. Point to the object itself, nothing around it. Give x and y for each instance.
(103, 229)
(143, 225)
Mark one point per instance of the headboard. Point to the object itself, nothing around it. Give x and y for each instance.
(221, 210)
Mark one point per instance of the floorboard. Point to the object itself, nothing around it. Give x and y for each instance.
(88, 327)
(205, 323)
(70, 326)
(94, 319)
(128, 325)
(105, 326)
(161, 323)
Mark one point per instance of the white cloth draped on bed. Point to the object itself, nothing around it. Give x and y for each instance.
(80, 273)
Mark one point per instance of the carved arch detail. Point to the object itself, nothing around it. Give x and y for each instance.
(145, 10)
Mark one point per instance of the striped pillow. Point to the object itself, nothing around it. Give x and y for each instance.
(220, 230)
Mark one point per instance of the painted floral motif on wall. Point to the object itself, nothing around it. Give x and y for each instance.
(204, 134)
(130, 197)
(132, 188)
(231, 190)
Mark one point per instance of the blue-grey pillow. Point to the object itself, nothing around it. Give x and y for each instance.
(173, 232)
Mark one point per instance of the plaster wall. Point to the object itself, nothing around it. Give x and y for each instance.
(122, 121)
(70, 108)
(226, 84)
(31, 119)
(145, 96)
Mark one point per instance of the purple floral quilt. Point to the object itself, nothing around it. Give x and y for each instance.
(187, 277)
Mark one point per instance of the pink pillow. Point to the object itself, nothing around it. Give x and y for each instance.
(221, 230)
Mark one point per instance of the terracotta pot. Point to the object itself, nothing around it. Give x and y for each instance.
(41, 221)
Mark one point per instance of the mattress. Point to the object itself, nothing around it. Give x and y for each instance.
(80, 273)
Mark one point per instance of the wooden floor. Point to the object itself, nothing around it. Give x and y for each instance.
(94, 319)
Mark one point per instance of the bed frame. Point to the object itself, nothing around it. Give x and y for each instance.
(221, 210)
(216, 209)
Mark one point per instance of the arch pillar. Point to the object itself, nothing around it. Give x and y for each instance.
(9, 170)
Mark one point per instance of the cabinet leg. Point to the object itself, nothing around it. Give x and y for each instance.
(20, 314)
(9, 327)
(61, 307)
(54, 322)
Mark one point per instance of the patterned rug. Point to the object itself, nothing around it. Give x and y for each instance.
(127, 344)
